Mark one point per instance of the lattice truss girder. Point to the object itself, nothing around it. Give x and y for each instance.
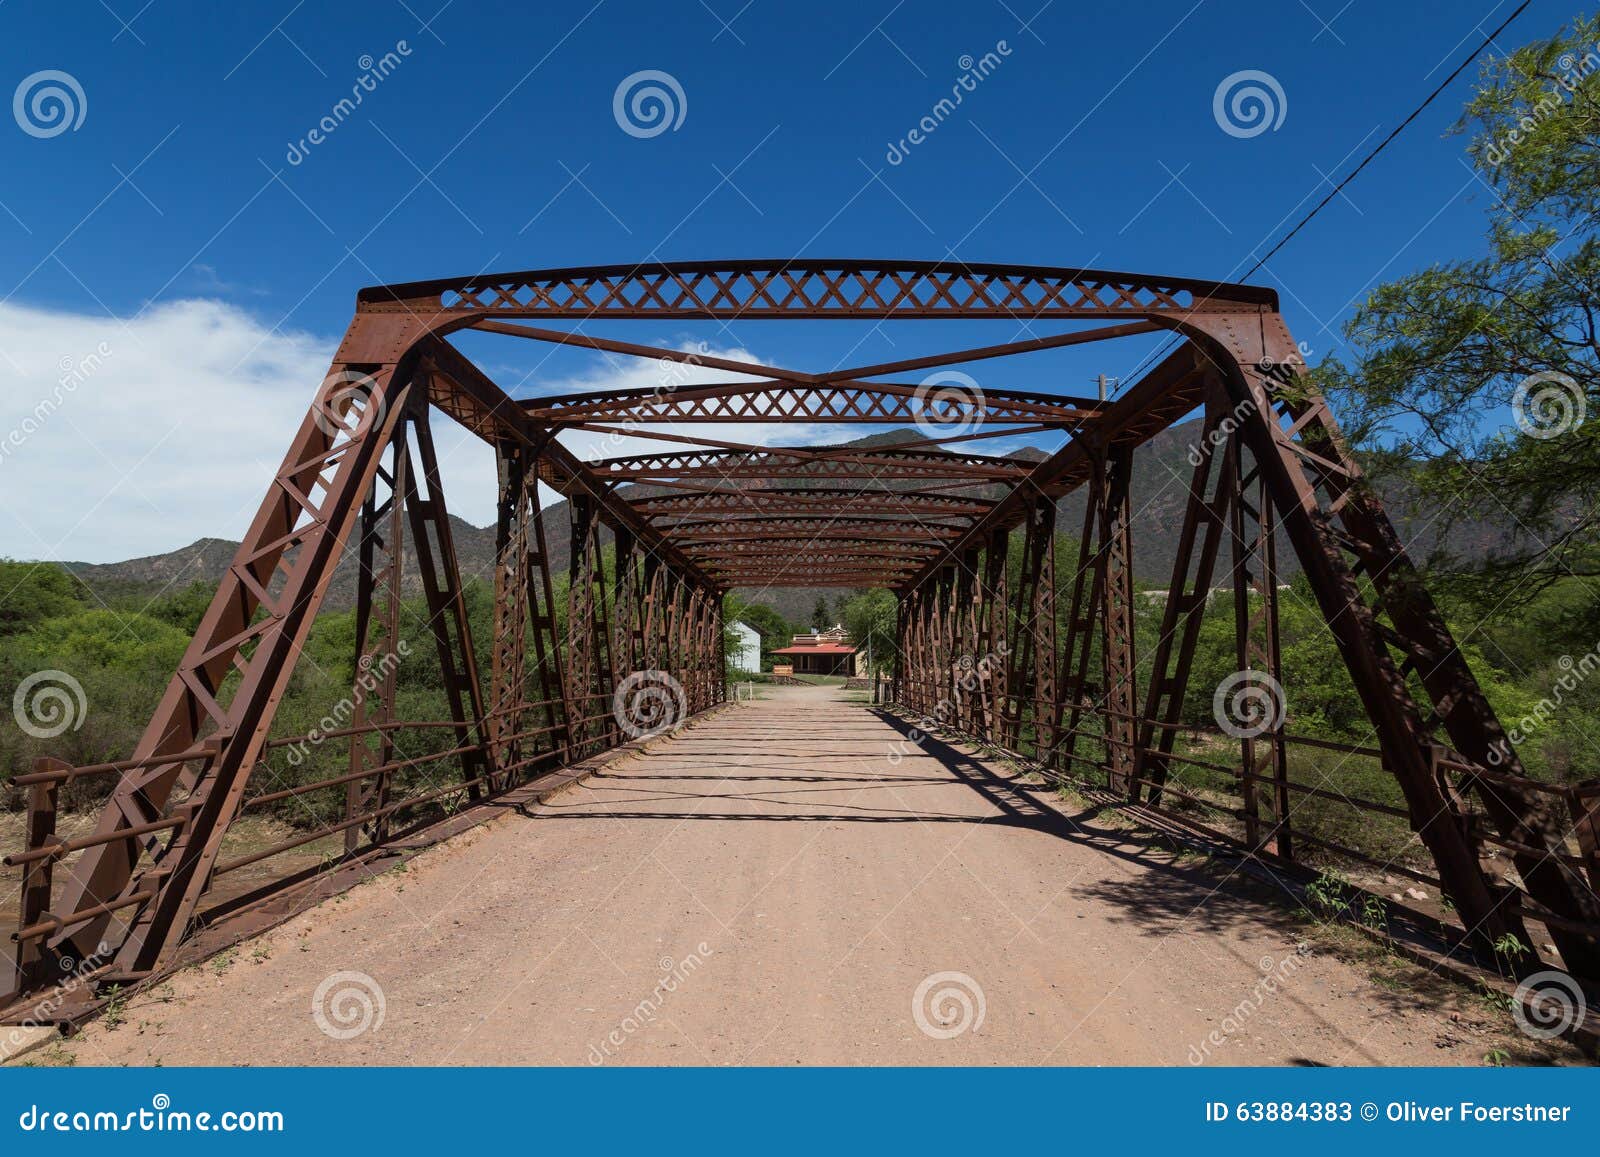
(811, 288)
(1000, 634)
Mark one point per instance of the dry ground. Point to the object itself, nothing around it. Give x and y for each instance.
(772, 886)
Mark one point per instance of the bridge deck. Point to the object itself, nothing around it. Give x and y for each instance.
(794, 885)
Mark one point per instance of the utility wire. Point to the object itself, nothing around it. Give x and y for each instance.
(1365, 161)
(1398, 129)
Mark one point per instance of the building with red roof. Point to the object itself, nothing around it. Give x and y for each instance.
(827, 652)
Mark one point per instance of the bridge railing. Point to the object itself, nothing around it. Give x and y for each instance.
(361, 805)
(1326, 814)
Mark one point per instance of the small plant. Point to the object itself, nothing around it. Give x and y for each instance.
(1494, 999)
(224, 961)
(116, 1011)
(1511, 948)
(1327, 893)
(261, 954)
(1496, 1058)
(1373, 913)
(1332, 896)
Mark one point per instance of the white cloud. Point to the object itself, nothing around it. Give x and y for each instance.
(128, 437)
(122, 438)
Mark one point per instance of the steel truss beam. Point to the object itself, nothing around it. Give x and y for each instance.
(809, 465)
(768, 502)
(815, 288)
(995, 638)
(873, 403)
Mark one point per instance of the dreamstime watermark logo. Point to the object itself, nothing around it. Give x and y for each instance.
(1281, 371)
(1575, 72)
(371, 674)
(648, 103)
(1247, 704)
(73, 372)
(1248, 103)
(1548, 404)
(48, 103)
(947, 1004)
(1547, 1004)
(1574, 673)
(671, 373)
(347, 1004)
(373, 73)
(48, 703)
(1274, 975)
(973, 73)
(967, 676)
(647, 703)
(349, 405)
(1278, 373)
(78, 973)
(159, 1117)
(673, 974)
(948, 404)
(1221, 432)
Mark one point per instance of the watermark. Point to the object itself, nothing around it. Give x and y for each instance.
(373, 73)
(671, 373)
(1547, 1004)
(1248, 703)
(973, 73)
(647, 703)
(72, 373)
(160, 1117)
(948, 404)
(18, 1036)
(371, 675)
(947, 1004)
(348, 405)
(48, 703)
(347, 1004)
(1210, 443)
(48, 103)
(967, 675)
(648, 103)
(1275, 974)
(1279, 373)
(1248, 103)
(1548, 404)
(673, 975)
(1575, 71)
(1574, 673)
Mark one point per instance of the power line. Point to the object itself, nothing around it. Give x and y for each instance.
(1398, 129)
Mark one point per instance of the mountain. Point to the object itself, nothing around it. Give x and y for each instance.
(1160, 486)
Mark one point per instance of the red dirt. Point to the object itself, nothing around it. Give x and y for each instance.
(772, 886)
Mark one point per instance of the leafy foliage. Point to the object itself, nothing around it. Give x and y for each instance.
(1449, 358)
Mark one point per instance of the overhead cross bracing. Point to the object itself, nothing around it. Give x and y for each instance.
(998, 638)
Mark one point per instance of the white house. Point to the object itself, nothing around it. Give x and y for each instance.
(747, 655)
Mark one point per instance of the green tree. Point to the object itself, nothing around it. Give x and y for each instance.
(1475, 375)
(870, 617)
(773, 628)
(33, 591)
(820, 620)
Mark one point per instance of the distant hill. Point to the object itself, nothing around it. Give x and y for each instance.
(1161, 474)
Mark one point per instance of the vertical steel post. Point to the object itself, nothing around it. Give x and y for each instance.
(1116, 559)
(380, 569)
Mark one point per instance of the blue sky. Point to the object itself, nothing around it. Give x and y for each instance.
(172, 224)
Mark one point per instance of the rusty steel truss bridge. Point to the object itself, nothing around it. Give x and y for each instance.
(993, 641)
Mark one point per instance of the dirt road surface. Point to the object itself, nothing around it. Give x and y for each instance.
(792, 881)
